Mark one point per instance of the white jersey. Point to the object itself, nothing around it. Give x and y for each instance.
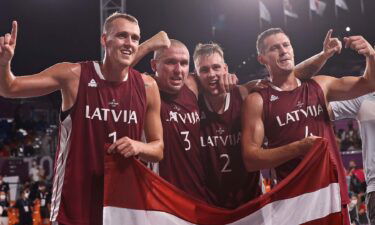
(362, 109)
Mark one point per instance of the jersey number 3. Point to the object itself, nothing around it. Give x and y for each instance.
(185, 134)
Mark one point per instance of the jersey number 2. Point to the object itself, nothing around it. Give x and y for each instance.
(226, 168)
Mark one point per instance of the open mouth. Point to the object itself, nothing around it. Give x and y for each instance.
(176, 80)
(213, 83)
(126, 52)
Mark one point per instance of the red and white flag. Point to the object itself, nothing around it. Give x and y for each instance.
(310, 195)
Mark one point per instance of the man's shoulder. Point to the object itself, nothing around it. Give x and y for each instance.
(148, 80)
(254, 99)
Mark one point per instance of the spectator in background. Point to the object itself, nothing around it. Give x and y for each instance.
(24, 206)
(353, 210)
(362, 215)
(357, 178)
(4, 204)
(34, 172)
(44, 195)
(4, 186)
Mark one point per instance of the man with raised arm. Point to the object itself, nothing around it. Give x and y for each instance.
(102, 102)
(291, 113)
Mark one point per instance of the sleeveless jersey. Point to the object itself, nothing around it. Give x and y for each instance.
(290, 116)
(182, 164)
(103, 112)
(227, 178)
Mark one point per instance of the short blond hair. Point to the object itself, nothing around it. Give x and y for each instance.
(207, 50)
(108, 22)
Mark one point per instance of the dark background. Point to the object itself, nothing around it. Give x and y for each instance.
(52, 31)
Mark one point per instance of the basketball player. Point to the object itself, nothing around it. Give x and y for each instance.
(231, 185)
(228, 179)
(291, 113)
(182, 164)
(102, 102)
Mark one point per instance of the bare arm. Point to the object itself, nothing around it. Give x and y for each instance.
(63, 76)
(254, 156)
(311, 66)
(159, 40)
(152, 151)
(251, 86)
(336, 89)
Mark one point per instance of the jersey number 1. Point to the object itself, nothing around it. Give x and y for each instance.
(114, 136)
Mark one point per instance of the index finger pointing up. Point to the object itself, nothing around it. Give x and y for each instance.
(328, 36)
(13, 34)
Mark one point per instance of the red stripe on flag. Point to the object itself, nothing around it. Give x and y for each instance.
(129, 184)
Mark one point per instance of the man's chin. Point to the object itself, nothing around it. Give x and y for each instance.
(175, 89)
(126, 62)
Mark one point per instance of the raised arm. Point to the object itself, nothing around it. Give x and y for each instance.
(311, 66)
(159, 40)
(336, 89)
(58, 77)
(254, 156)
(152, 151)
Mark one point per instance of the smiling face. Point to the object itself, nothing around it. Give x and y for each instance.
(171, 68)
(121, 41)
(209, 69)
(278, 55)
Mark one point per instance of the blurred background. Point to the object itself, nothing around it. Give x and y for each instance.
(52, 31)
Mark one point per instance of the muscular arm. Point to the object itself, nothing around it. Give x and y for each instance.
(251, 86)
(51, 79)
(61, 76)
(152, 151)
(159, 40)
(254, 156)
(336, 89)
(311, 66)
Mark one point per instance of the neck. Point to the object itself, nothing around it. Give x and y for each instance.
(112, 72)
(216, 102)
(285, 82)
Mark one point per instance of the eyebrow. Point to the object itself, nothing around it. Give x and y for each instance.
(127, 33)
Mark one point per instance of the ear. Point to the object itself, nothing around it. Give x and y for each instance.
(261, 59)
(226, 67)
(103, 39)
(153, 65)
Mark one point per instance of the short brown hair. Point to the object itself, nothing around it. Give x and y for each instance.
(262, 36)
(207, 49)
(116, 15)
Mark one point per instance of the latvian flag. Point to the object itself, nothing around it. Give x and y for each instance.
(134, 195)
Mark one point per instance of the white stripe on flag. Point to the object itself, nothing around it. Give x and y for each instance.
(297, 210)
